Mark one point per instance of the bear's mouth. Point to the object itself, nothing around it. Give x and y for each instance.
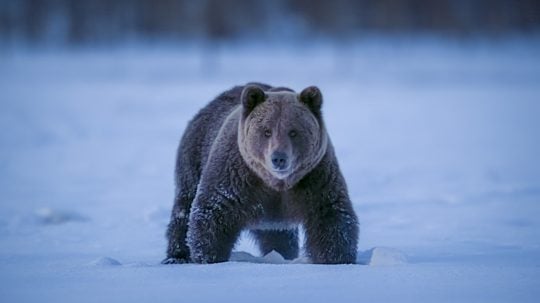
(281, 173)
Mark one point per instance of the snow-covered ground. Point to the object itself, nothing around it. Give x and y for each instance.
(439, 143)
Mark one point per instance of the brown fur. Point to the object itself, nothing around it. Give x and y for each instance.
(259, 158)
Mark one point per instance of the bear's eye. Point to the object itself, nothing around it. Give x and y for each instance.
(267, 133)
(292, 133)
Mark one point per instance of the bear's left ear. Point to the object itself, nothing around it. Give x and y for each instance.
(251, 96)
(312, 97)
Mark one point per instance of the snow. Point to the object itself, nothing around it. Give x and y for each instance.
(438, 142)
(105, 261)
(382, 256)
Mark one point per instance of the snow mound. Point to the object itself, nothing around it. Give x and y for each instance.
(382, 256)
(272, 257)
(48, 216)
(105, 262)
(275, 258)
(242, 256)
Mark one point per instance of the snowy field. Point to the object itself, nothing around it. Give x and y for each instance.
(439, 142)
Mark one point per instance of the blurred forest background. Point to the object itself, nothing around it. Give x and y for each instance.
(80, 22)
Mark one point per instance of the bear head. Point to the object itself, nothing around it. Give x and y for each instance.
(281, 134)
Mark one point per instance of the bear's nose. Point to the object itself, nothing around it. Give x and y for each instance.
(279, 160)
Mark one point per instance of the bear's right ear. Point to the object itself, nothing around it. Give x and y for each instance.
(251, 97)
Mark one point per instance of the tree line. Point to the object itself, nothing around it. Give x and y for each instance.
(87, 21)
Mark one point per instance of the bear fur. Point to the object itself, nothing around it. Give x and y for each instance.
(258, 158)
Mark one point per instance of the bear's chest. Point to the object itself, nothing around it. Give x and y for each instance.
(274, 212)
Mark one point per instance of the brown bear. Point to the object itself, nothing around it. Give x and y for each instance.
(258, 158)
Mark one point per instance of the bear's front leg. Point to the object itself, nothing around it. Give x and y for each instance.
(214, 227)
(177, 250)
(332, 233)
